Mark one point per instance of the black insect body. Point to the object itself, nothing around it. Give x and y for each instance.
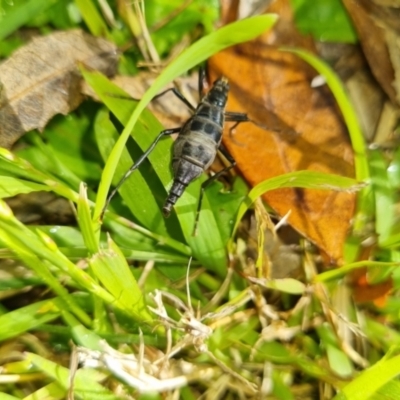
(199, 139)
(197, 144)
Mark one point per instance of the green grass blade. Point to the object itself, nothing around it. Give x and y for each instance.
(26, 318)
(300, 179)
(10, 187)
(42, 156)
(356, 137)
(85, 382)
(10, 163)
(371, 380)
(133, 244)
(92, 18)
(51, 391)
(85, 221)
(14, 239)
(122, 228)
(384, 194)
(144, 191)
(83, 336)
(111, 269)
(347, 109)
(38, 245)
(338, 273)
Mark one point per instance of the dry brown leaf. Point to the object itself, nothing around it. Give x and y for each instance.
(378, 28)
(376, 114)
(42, 79)
(274, 88)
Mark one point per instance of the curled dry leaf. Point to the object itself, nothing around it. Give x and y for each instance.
(42, 79)
(306, 131)
(377, 25)
(376, 114)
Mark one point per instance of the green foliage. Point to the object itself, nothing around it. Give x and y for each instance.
(92, 273)
(325, 20)
(21, 12)
(86, 382)
(197, 13)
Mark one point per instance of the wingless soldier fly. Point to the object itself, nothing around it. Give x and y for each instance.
(197, 143)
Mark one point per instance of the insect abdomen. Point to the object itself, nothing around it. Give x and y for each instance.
(198, 141)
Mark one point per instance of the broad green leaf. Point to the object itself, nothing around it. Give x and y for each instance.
(391, 391)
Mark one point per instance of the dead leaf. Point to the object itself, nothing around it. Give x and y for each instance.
(378, 28)
(42, 208)
(365, 292)
(376, 114)
(307, 132)
(279, 251)
(42, 79)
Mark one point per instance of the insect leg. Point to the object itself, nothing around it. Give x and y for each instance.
(206, 183)
(236, 117)
(178, 94)
(136, 165)
(241, 117)
(202, 77)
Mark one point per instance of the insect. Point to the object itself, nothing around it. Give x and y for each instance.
(197, 143)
